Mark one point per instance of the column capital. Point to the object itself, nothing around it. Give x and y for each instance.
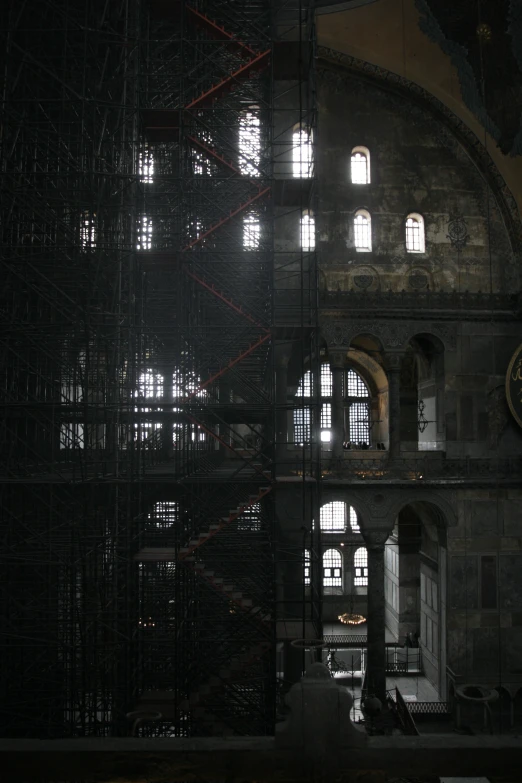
(337, 359)
(375, 538)
(393, 361)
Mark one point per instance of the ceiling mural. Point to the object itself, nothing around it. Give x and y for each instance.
(484, 42)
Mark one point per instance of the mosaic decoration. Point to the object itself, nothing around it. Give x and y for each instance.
(458, 231)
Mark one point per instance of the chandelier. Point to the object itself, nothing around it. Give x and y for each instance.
(350, 618)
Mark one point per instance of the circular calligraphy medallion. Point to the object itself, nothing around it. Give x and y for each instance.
(514, 385)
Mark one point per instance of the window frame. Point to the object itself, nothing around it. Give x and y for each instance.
(417, 217)
(362, 213)
(363, 567)
(309, 235)
(302, 166)
(350, 401)
(333, 576)
(365, 152)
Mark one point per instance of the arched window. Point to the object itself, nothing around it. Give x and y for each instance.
(360, 563)
(302, 153)
(415, 233)
(306, 566)
(332, 568)
(307, 231)
(360, 166)
(357, 409)
(362, 231)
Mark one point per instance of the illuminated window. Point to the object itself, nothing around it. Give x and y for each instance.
(146, 166)
(251, 232)
(302, 428)
(250, 143)
(150, 384)
(357, 409)
(360, 563)
(332, 568)
(354, 522)
(333, 517)
(360, 166)
(144, 240)
(164, 513)
(72, 436)
(302, 417)
(88, 230)
(362, 230)
(415, 234)
(308, 232)
(250, 519)
(301, 154)
(306, 566)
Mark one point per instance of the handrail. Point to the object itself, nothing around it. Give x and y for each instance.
(405, 716)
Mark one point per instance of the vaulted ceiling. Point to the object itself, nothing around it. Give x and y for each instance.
(484, 40)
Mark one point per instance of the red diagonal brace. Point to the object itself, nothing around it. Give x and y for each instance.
(231, 364)
(223, 524)
(220, 33)
(262, 192)
(260, 61)
(220, 295)
(213, 154)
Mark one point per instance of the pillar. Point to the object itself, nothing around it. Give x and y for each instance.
(337, 366)
(281, 394)
(393, 363)
(376, 656)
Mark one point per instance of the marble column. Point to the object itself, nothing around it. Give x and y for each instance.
(376, 660)
(393, 364)
(337, 359)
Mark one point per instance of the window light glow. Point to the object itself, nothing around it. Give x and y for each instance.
(146, 166)
(415, 234)
(306, 567)
(362, 231)
(333, 517)
(302, 154)
(164, 513)
(360, 166)
(332, 568)
(144, 233)
(251, 232)
(250, 144)
(308, 232)
(88, 230)
(360, 562)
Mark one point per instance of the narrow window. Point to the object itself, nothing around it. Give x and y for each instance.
(333, 517)
(146, 166)
(251, 232)
(302, 154)
(360, 563)
(326, 422)
(306, 566)
(360, 166)
(326, 380)
(308, 232)
(144, 241)
(302, 427)
(357, 412)
(250, 143)
(332, 568)
(415, 234)
(362, 228)
(88, 230)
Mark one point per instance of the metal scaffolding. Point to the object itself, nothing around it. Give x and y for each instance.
(146, 161)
